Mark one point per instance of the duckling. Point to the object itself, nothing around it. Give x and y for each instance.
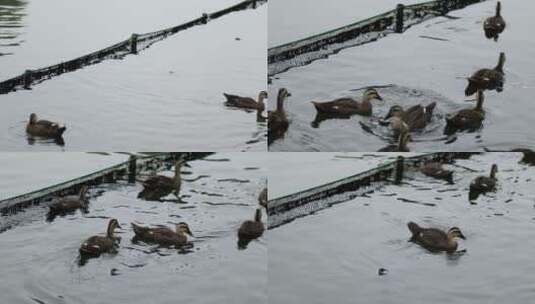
(250, 230)
(404, 138)
(348, 106)
(158, 186)
(466, 119)
(436, 170)
(263, 198)
(494, 26)
(277, 121)
(69, 204)
(246, 102)
(44, 128)
(163, 235)
(483, 184)
(487, 79)
(96, 245)
(435, 239)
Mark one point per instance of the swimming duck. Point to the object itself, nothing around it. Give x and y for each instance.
(404, 138)
(435, 239)
(69, 203)
(277, 121)
(158, 186)
(96, 245)
(263, 198)
(487, 79)
(494, 26)
(416, 117)
(436, 170)
(250, 230)
(246, 102)
(349, 106)
(483, 184)
(163, 235)
(44, 128)
(466, 119)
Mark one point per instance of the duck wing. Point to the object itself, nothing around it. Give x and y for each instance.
(338, 106)
(241, 102)
(432, 238)
(158, 181)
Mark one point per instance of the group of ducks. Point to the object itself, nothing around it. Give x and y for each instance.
(155, 188)
(434, 239)
(404, 121)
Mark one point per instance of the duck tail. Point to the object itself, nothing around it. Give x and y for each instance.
(414, 228)
(138, 229)
(501, 62)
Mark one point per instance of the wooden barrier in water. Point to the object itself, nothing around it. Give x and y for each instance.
(133, 45)
(306, 50)
(130, 168)
(285, 209)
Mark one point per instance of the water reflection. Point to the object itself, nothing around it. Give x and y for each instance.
(11, 15)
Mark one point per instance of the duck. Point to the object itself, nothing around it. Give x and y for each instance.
(483, 184)
(494, 26)
(487, 79)
(44, 128)
(277, 121)
(163, 236)
(97, 245)
(436, 170)
(434, 239)
(246, 102)
(528, 155)
(69, 203)
(263, 198)
(349, 106)
(466, 119)
(158, 186)
(404, 138)
(416, 117)
(252, 229)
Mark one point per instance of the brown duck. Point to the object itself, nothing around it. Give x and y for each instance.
(487, 79)
(158, 186)
(250, 230)
(348, 106)
(436, 170)
(44, 128)
(96, 245)
(263, 198)
(466, 119)
(246, 102)
(277, 121)
(435, 239)
(494, 26)
(401, 146)
(483, 184)
(163, 235)
(70, 203)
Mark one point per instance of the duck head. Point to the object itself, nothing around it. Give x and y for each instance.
(33, 118)
(371, 94)
(183, 228)
(455, 233)
(493, 171)
(395, 111)
(112, 225)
